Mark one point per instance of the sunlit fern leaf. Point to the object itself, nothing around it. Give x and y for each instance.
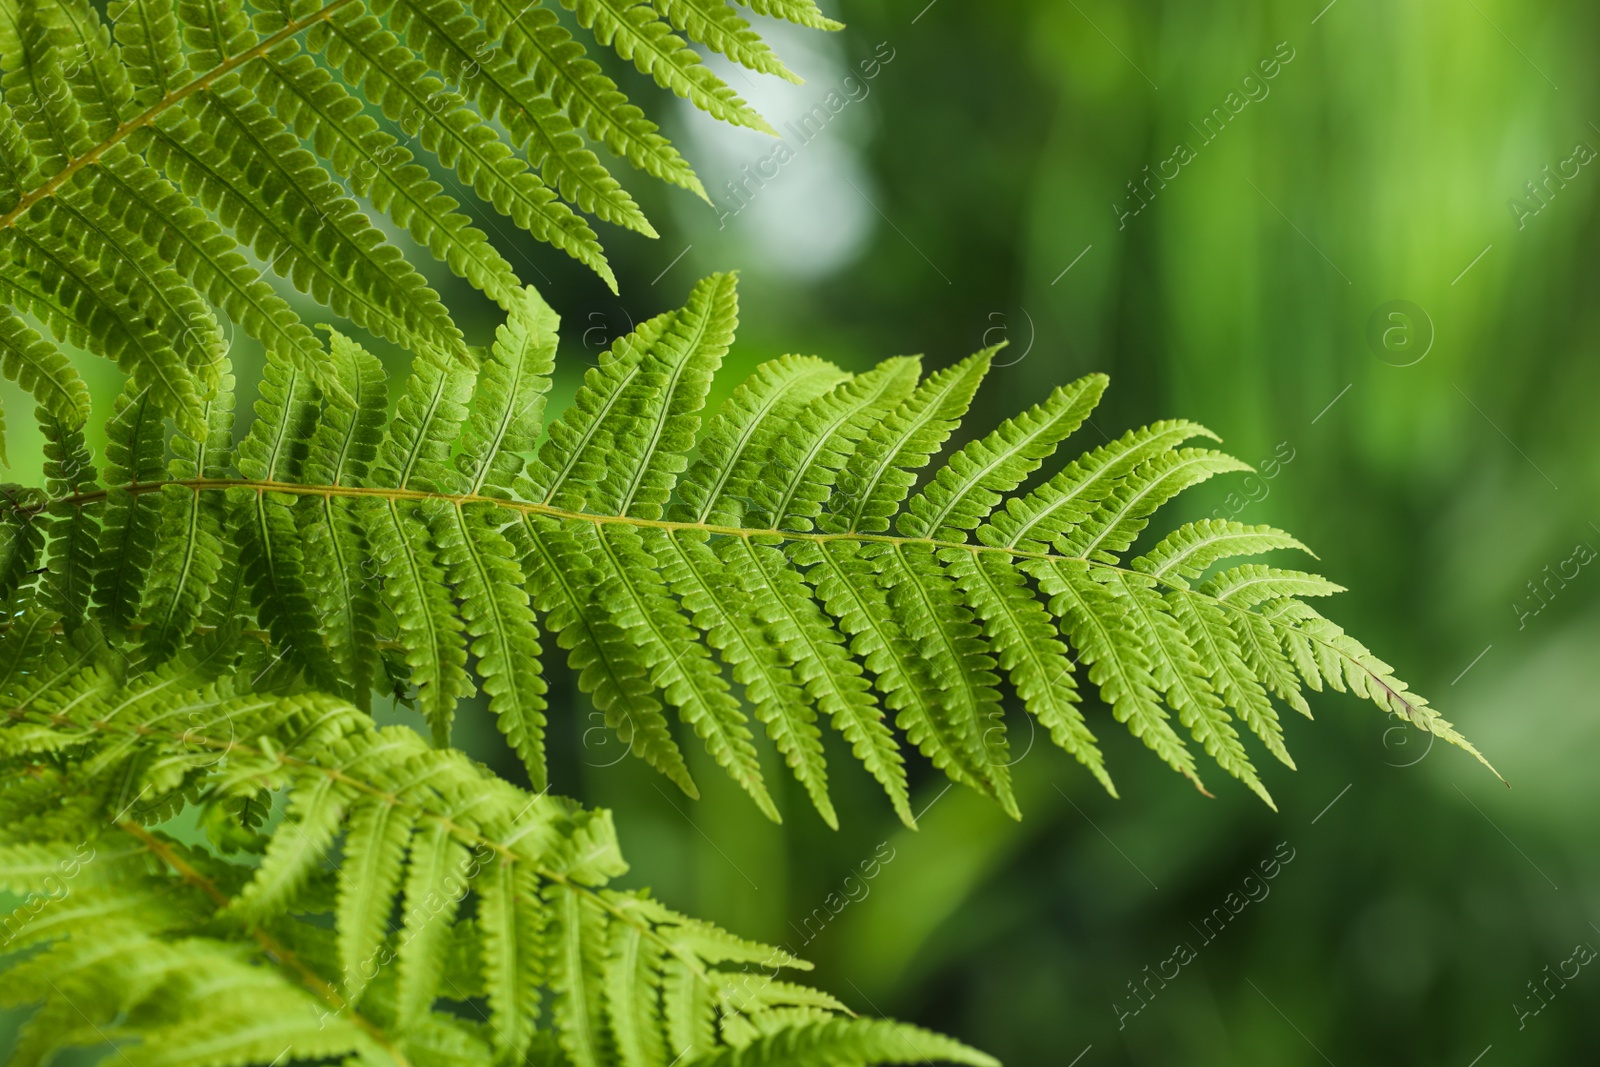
(370, 865)
(566, 585)
(718, 486)
(576, 946)
(881, 469)
(800, 12)
(723, 30)
(742, 567)
(438, 871)
(634, 30)
(975, 479)
(160, 158)
(803, 464)
(558, 66)
(250, 939)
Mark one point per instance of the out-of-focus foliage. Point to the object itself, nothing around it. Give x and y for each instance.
(938, 212)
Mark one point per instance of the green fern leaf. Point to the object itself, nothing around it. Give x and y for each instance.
(980, 475)
(663, 403)
(1177, 642)
(309, 100)
(451, 42)
(336, 549)
(847, 1043)
(369, 876)
(437, 876)
(128, 536)
(508, 413)
(189, 542)
(576, 948)
(632, 28)
(1187, 552)
(716, 608)
(1107, 533)
(632, 983)
(800, 12)
(291, 859)
(1026, 645)
(512, 951)
(1109, 641)
(548, 54)
(41, 369)
(673, 562)
(560, 571)
(717, 488)
(1073, 495)
(880, 471)
(578, 440)
(721, 29)
(72, 534)
(799, 475)
(271, 558)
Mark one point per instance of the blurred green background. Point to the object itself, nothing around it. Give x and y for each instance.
(1441, 454)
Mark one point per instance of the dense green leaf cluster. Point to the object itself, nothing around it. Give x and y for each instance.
(156, 165)
(796, 550)
(466, 922)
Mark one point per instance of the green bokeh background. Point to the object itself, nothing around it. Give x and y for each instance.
(940, 210)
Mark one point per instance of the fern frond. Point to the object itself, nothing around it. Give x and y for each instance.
(692, 572)
(157, 163)
(158, 941)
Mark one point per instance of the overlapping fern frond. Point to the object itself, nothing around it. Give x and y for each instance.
(158, 164)
(793, 558)
(174, 833)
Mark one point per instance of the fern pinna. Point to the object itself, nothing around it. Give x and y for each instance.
(782, 550)
(156, 169)
(467, 923)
